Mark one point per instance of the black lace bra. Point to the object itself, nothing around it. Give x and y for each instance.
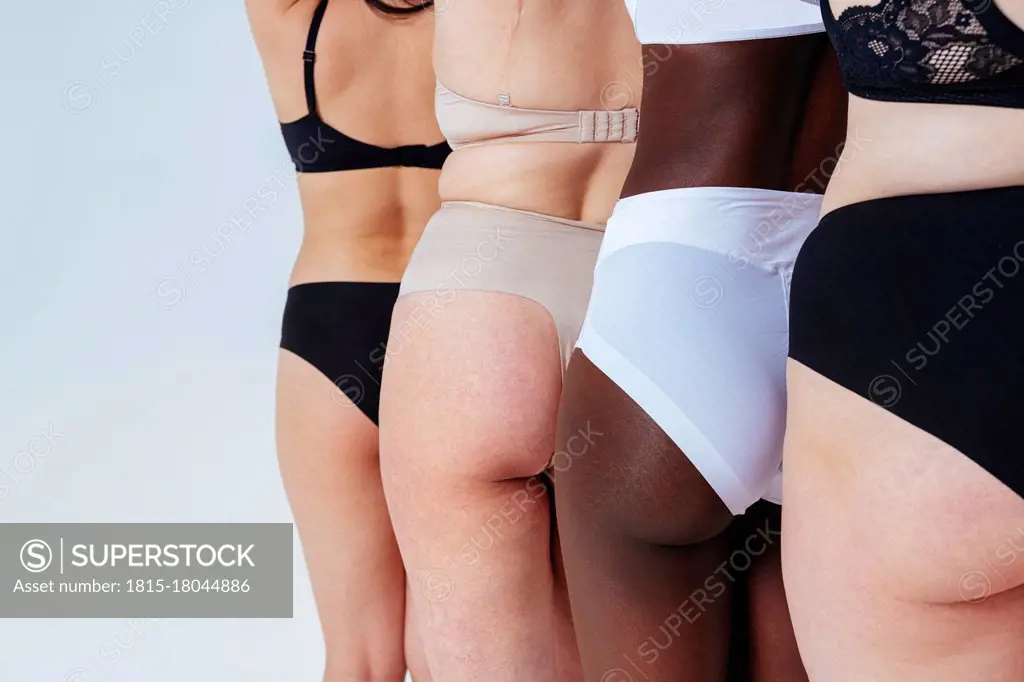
(944, 51)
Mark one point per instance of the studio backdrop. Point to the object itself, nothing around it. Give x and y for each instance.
(148, 222)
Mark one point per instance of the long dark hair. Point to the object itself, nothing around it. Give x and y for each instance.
(410, 6)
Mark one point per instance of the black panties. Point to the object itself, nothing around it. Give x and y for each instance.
(341, 328)
(917, 304)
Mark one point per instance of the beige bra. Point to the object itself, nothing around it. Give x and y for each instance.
(466, 122)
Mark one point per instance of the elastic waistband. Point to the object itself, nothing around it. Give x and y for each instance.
(957, 200)
(764, 225)
(339, 284)
(682, 22)
(521, 214)
(693, 195)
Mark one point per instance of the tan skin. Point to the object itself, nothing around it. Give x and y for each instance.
(883, 521)
(374, 82)
(476, 391)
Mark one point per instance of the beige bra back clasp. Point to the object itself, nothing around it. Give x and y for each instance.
(467, 122)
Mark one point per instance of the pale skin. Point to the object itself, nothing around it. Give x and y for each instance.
(374, 82)
(471, 389)
(892, 535)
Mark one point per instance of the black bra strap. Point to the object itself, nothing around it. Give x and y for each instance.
(309, 55)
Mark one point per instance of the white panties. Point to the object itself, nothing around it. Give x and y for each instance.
(689, 317)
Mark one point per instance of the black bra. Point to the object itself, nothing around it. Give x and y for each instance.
(316, 147)
(943, 51)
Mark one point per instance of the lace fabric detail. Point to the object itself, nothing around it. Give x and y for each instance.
(901, 44)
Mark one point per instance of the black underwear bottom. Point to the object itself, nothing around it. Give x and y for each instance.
(341, 328)
(917, 304)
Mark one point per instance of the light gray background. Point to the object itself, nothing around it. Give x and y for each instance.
(165, 413)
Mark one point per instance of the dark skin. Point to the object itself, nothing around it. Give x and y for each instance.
(641, 531)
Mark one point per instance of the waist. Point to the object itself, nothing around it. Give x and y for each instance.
(370, 256)
(759, 130)
(513, 216)
(899, 149)
(577, 182)
(363, 224)
(745, 224)
(360, 202)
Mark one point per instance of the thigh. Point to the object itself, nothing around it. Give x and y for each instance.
(772, 646)
(323, 439)
(900, 551)
(467, 424)
(642, 540)
(924, 513)
(415, 655)
(468, 409)
(328, 455)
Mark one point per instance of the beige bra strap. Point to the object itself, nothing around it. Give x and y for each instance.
(468, 123)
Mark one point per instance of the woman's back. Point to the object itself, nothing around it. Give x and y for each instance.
(556, 54)
(911, 142)
(373, 81)
(550, 54)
